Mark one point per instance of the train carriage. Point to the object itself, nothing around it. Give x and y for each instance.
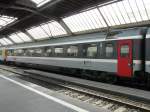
(120, 53)
(3, 55)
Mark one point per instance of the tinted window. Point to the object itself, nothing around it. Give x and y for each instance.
(19, 52)
(30, 52)
(38, 52)
(92, 51)
(109, 50)
(48, 52)
(124, 51)
(72, 51)
(59, 51)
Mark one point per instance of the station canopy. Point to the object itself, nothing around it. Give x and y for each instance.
(58, 18)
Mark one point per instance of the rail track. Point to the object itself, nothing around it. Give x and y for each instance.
(114, 103)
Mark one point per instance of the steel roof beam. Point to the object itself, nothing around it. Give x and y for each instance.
(32, 10)
(63, 24)
(10, 39)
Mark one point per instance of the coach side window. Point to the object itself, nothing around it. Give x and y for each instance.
(38, 52)
(72, 51)
(92, 50)
(19, 52)
(48, 52)
(124, 51)
(30, 52)
(59, 51)
(109, 50)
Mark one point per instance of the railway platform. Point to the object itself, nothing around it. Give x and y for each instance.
(132, 93)
(18, 97)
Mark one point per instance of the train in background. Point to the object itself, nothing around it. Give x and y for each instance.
(119, 54)
(3, 55)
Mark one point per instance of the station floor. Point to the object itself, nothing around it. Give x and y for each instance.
(18, 97)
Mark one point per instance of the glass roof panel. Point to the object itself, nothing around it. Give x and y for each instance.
(135, 9)
(123, 11)
(5, 20)
(3, 42)
(83, 21)
(108, 13)
(40, 3)
(147, 7)
(24, 37)
(118, 13)
(126, 11)
(53, 29)
(142, 10)
(16, 38)
(38, 33)
(129, 11)
(7, 40)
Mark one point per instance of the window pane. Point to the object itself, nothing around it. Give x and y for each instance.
(135, 9)
(30, 52)
(24, 37)
(107, 15)
(38, 52)
(53, 29)
(92, 51)
(147, 6)
(142, 10)
(16, 38)
(109, 50)
(47, 30)
(87, 20)
(126, 11)
(59, 51)
(19, 52)
(124, 51)
(129, 11)
(72, 51)
(7, 40)
(118, 13)
(48, 52)
(123, 11)
(3, 42)
(38, 33)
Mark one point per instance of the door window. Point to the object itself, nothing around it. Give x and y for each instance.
(124, 51)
